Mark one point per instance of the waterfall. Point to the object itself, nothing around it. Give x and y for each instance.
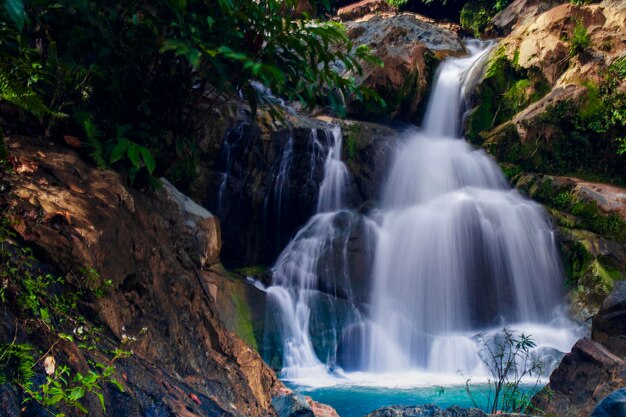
(456, 253)
(458, 250)
(294, 292)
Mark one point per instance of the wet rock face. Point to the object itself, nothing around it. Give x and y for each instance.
(410, 47)
(263, 185)
(609, 325)
(151, 246)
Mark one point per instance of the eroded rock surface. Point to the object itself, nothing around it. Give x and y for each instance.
(151, 245)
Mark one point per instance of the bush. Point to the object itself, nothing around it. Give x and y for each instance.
(397, 3)
(476, 15)
(130, 76)
(580, 39)
(510, 362)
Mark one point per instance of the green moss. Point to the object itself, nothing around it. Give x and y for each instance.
(243, 319)
(252, 271)
(476, 16)
(506, 89)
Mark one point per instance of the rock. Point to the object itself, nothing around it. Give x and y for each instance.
(262, 182)
(428, 410)
(410, 48)
(612, 406)
(143, 243)
(520, 12)
(369, 150)
(291, 405)
(609, 325)
(586, 375)
(363, 9)
(203, 228)
(321, 410)
(593, 252)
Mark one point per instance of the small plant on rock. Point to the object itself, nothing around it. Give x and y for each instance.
(580, 39)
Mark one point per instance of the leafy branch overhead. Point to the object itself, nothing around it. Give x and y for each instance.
(131, 75)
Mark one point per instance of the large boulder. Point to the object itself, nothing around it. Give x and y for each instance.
(150, 245)
(410, 47)
(586, 375)
(609, 325)
(535, 102)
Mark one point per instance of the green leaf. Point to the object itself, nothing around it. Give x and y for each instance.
(148, 159)
(119, 150)
(133, 154)
(45, 315)
(101, 398)
(76, 393)
(15, 9)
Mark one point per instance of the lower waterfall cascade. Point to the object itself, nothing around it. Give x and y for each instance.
(454, 253)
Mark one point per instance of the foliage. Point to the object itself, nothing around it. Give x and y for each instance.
(132, 76)
(397, 3)
(16, 363)
(505, 91)
(511, 362)
(67, 389)
(476, 15)
(580, 39)
(591, 131)
(47, 305)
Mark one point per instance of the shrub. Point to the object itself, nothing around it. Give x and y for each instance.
(509, 359)
(130, 76)
(476, 15)
(397, 3)
(580, 39)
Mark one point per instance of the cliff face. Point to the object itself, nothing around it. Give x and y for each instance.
(155, 247)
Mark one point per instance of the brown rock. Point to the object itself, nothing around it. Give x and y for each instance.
(321, 410)
(585, 376)
(520, 12)
(149, 244)
(364, 9)
(409, 47)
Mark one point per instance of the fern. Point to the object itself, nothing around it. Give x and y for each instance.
(16, 363)
(24, 98)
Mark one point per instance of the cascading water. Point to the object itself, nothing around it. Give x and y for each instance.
(457, 252)
(319, 248)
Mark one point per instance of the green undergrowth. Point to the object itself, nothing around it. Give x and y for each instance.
(584, 137)
(476, 15)
(505, 91)
(50, 331)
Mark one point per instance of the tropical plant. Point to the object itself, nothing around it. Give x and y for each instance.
(132, 75)
(510, 360)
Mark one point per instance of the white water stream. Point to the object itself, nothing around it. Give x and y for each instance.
(457, 253)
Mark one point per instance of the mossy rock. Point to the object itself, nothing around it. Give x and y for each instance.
(505, 90)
